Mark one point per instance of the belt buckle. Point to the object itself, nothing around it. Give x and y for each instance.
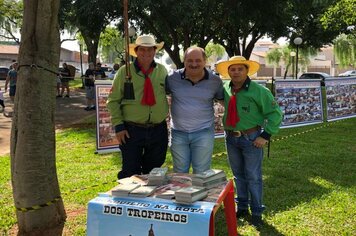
(236, 134)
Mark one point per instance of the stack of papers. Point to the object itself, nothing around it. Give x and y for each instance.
(209, 179)
(188, 195)
(157, 176)
(143, 191)
(123, 190)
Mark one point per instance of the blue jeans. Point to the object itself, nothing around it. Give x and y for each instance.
(144, 150)
(246, 165)
(194, 148)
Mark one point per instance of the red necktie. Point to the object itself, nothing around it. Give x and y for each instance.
(148, 97)
(232, 117)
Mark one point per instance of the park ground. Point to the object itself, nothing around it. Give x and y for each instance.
(69, 111)
(309, 179)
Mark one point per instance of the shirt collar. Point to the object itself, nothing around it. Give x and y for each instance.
(183, 76)
(137, 68)
(245, 85)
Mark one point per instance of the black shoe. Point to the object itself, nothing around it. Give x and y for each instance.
(92, 108)
(87, 108)
(257, 221)
(67, 96)
(58, 96)
(242, 213)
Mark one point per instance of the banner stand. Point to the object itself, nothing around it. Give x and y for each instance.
(105, 151)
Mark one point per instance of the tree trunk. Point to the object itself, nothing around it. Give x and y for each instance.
(286, 72)
(92, 46)
(33, 166)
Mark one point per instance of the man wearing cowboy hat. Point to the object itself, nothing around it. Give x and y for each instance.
(140, 124)
(248, 107)
(193, 90)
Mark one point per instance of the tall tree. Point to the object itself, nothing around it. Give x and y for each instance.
(214, 52)
(112, 45)
(283, 54)
(33, 166)
(306, 23)
(345, 50)
(243, 22)
(341, 16)
(235, 24)
(91, 18)
(179, 24)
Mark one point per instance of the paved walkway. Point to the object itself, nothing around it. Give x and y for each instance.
(68, 112)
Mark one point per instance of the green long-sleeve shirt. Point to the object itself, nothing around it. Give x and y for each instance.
(256, 106)
(131, 110)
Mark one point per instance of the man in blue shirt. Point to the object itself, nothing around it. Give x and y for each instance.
(193, 90)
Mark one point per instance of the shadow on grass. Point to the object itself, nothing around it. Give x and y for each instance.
(309, 166)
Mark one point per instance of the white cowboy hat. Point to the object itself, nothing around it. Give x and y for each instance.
(144, 41)
(223, 67)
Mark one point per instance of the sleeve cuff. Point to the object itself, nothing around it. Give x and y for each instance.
(119, 128)
(265, 135)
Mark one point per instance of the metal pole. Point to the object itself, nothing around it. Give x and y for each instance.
(128, 85)
(81, 63)
(296, 63)
(127, 40)
(269, 142)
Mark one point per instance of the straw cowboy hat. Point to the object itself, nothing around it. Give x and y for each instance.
(144, 41)
(223, 67)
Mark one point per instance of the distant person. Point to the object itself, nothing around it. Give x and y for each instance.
(2, 104)
(64, 75)
(140, 123)
(113, 72)
(11, 80)
(89, 81)
(193, 89)
(58, 86)
(99, 72)
(13, 61)
(248, 107)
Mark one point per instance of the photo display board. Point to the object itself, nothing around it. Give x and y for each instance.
(300, 102)
(341, 98)
(105, 134)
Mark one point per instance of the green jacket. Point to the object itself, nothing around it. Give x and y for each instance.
(256, 106)
(131, 110)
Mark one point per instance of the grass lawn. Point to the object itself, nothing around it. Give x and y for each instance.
(309, 180)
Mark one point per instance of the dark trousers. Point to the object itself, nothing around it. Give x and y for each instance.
(2, 103)
(144, 150)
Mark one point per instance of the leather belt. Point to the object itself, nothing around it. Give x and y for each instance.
(145, 125)
(239, 133)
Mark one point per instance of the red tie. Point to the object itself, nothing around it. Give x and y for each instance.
(148, 97)
(232, 117)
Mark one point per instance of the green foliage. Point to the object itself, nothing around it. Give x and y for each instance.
(306, 23)
(91, 18)
(340, 16)
(11, 13)
(179, 24)
(274, 56)
(309, 180)
(214, 52)
(112, 45)
(345, 50)
(241, 24)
